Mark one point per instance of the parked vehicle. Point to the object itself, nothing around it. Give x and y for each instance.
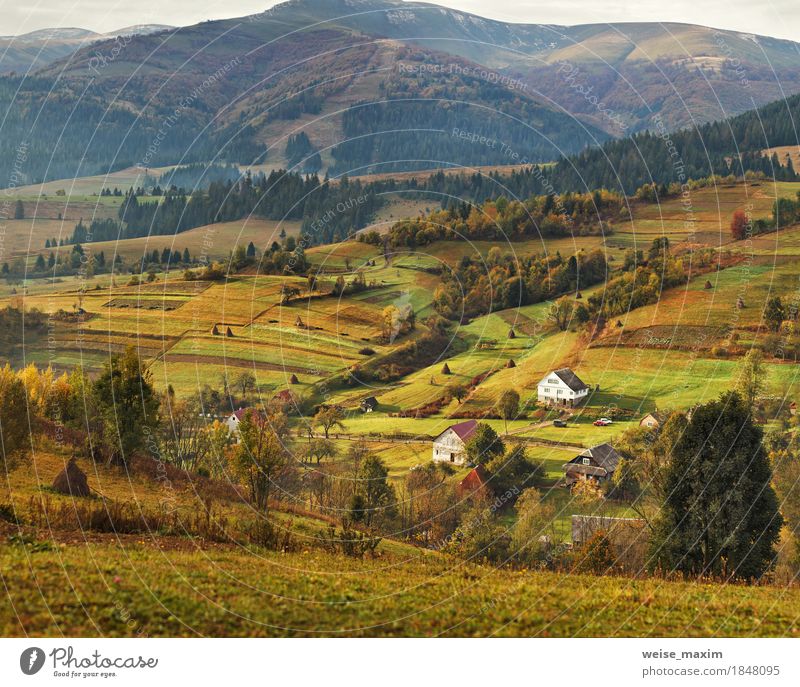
(559, 423)
(603, 422)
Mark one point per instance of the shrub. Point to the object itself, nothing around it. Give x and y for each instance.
(349, 541)
(7, 513)
(264, 533)
(596, 554)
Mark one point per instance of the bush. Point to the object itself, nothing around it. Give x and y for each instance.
(366, 351)
(267, 535)
(7, 513)
(596, 555)
(349, 541)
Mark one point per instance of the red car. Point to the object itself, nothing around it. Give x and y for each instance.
(603, 422)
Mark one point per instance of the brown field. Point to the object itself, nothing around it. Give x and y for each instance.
(784, 152)
(84, 186)
(213, 241)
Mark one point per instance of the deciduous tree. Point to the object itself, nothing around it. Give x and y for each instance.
(484, 444)
(508, 406)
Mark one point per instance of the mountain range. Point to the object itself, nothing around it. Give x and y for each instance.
(378, 85)
(30, 51)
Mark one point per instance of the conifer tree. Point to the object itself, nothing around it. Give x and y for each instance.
(720, 515)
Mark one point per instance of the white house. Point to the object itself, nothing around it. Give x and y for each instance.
(451, 445)
(232, 423)
(562, 388)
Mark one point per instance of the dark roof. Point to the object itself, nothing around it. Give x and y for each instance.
(603, 455)
(370, 401)
(604, 461)
(463, 430)
(239, 414)
(570, 379)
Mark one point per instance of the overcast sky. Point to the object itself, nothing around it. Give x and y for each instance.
(779, 18)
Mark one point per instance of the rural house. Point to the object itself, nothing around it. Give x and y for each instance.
(597, 463)
(562, 388)
(451, 445)
(369, 404)
(232, 423)
(653, 420)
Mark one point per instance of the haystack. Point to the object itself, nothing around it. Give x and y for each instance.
(511, 363)
(294, 380)
(214, 331)
(512, 334)
(708, 285)
(446, 369)
(71, 481)
(229, 332)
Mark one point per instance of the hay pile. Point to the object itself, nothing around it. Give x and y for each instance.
(71, 481)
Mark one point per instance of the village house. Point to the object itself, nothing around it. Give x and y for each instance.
(451, 445)
(562, 388)
(653, 420)
(369, 404)
(597, 463)
(233, 420)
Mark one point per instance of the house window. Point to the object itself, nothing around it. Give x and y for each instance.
(587, 461)
(560, 391)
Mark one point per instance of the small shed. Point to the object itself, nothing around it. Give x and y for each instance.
(475, 483)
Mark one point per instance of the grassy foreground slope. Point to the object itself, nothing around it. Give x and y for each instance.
(104, 589)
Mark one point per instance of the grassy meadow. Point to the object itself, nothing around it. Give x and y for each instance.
(160, 583)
